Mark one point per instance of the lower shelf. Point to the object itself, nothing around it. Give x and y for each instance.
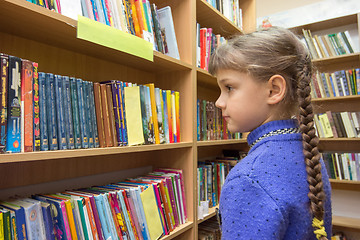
(179, 230)
(346, 223)
(211, 214)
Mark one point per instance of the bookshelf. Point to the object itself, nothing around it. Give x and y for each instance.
(339, 104)
(32, 32)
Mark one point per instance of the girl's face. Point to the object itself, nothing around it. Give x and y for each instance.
(243, 100)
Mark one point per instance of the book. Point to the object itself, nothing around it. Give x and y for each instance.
(121, 86)
(148, 138)
(5, 224)
(157, 29)
(51, 111)
(75, 112)
(111, 116)
(106, 115)
(60, 121)
(36, 109)
(154, 112)
(48, 222)
(13, 138)
(168, 32)
(93, 115)
(88, 117)
(68, 117)
(4, 68)
(44, 139)
(99, 114)
(82, 115)
(20, 219)
(133, 115)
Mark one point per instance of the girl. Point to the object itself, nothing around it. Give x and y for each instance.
(279, 191)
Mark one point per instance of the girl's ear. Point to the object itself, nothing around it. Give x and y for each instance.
(277, 89)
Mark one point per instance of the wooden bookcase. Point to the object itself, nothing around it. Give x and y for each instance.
(339, 104)
(32, 32)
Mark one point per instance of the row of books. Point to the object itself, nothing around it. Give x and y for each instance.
(207, 42)
(209, 230)
(335, 84)
(342, 166)
(339, 236)
(329, 45)
(230, 9)
(145, 207)
(338, 124)
(42, 111)
(137, 17)
(210, 123)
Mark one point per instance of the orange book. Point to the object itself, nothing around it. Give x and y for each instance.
(154, 112)
(27, 106)
(139, 13)
(99, 114)
(135, 19)
(106, 114)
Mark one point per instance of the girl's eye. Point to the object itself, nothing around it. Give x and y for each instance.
(228, 88)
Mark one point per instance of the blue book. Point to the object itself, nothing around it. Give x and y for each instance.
(121, 87)
(75, 113)
(332, 84)
(51, 111)
(197, 119)
(100, 11)
(60, 112)
(338, 83)
(114, 95)
(105, 10)
(88, 121)
(20, 219)
(93, 116)
(326, 87)
(345, 82)
(13, 138)
(105, 225)
(44, 139)
(58, 219)
(69, 128)
(82, 116)
(48, 221)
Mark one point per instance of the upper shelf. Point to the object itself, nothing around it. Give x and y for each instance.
(30, 21)
(210, 17)
(329, 23)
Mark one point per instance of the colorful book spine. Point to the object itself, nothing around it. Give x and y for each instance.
(82, 116)
(177, 115)
(75, 112)
(13, 141)
(44, 139)
(111, 115)
(114, 97)
(149, 117)
(4, 74)
(129, 19)
(27, 106)
(20, 219)
(165, 117)
(88, 118)
(93, 115)
(68, 118)
(60, 112)
(159, 111)
(51, 111)
(36, 109)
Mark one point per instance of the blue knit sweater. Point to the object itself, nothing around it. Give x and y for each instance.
(265, 195)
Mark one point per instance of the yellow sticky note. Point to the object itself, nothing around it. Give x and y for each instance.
(111, 37)
(151, 213)
(133, 115)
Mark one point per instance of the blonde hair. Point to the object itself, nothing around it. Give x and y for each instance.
(272, 51)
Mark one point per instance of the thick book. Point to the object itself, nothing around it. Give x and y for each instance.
(111, 116)
(20, 219)
(121, 100)
(48, 222)
(13, 141)
(106, 115)
(75, 112)
(60, 112)
(88, 118)
(27, 74)
(99, 114)
(115, 109)
(93, 115)
(68, 117)
(4, 74)
(51, 111)
(168, 30)
(82, 114)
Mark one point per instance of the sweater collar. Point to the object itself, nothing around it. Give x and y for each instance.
(272, 128)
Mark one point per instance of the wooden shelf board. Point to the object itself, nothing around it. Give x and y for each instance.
(204, 78)
(337, 60)
(179, 230)
(329, 23)
(27, 20)
(346, 223)
(221, 142)
(339, 144)
(211, 214)
(218, 22)
(345, 184)
(60, 154)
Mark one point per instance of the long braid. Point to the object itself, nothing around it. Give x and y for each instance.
(312, 157)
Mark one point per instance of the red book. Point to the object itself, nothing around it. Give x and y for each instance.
(203, 48)
(27, 75)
